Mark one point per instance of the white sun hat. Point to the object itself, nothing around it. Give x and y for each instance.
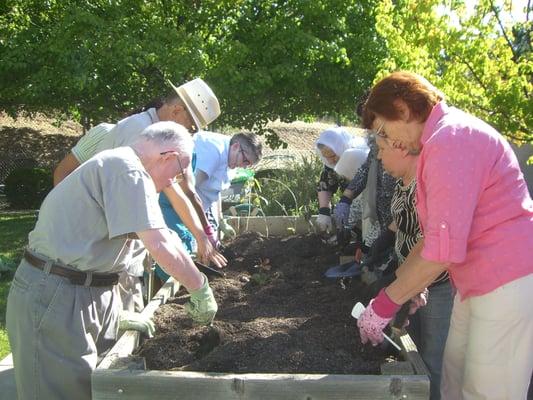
(200, 101)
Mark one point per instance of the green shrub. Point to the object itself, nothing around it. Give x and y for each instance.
(26, 188)
(290, 191)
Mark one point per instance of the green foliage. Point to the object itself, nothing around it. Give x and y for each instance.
(260, 278)
(290, 191)
(482, 63)
(14, 229)
(265, 60)
(7, 264)
(26, 188)
(295, 58)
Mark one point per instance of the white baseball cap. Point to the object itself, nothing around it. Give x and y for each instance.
(200, 101)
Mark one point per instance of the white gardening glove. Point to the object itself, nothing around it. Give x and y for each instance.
(226, 230)
(323, 223)
(129, 320)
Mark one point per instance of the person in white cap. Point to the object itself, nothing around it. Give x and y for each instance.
(62, 310)
(330, 146)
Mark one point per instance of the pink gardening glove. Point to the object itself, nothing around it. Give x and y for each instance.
(376, 317)
(212, 236)
(420, 300)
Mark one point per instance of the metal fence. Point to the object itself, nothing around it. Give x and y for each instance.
(8, 164)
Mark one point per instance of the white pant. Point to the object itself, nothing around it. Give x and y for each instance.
(489, 351)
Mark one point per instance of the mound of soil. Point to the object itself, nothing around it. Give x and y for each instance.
(277, 313)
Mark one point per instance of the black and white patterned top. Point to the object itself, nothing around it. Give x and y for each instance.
(403, 211)
(330, 181)
(384, 188)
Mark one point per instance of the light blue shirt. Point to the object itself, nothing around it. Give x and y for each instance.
(212, 151)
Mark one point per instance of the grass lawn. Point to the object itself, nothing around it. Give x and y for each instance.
(14, 229)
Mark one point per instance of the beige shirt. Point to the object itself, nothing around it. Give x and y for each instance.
(85, 221)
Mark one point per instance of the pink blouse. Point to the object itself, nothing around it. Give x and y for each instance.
(474, 206)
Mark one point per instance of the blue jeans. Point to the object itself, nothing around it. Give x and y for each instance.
(428, 328)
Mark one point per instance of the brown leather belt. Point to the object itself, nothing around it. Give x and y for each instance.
(75, 277)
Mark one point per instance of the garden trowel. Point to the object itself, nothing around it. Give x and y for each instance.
(209, 271)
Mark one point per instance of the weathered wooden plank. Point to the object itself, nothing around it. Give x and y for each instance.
(130, 339)
(167, 385)
(397, 368)
(410, 352)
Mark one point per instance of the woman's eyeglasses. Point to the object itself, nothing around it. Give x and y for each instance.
(380, 132)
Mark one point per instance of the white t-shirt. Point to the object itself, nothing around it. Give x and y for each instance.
(212, 150)
(127, 130)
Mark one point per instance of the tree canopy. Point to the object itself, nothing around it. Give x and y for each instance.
(482, 64)
(269, 59)
(264, 59)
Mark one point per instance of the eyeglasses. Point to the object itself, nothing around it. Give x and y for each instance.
(380, 132)
(245, 160)
(181, 172)
(383, 135)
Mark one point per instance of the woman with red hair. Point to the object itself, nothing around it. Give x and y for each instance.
(476, 216)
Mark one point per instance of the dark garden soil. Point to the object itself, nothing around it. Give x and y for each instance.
(277, 314)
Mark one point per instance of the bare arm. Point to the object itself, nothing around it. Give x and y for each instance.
(324, 199)
(187, 185)
(183, 207)
(172, 257)
(414, 275)
(68, 164)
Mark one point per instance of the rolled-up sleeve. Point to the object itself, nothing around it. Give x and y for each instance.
(451, 178)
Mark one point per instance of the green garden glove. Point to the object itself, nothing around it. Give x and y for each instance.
(129, 320)
(226, 229)
(202, 305)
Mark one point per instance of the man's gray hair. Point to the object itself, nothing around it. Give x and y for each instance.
(168, 136)
(250, 143)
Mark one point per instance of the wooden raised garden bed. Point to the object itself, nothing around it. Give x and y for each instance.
(122, 374)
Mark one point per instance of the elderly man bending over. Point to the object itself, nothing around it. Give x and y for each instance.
(62, 310)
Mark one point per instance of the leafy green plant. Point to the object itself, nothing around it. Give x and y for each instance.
(26, 188)
(290, 192)
(259, 278)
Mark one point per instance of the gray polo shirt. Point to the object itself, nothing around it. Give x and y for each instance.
(85, 221)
